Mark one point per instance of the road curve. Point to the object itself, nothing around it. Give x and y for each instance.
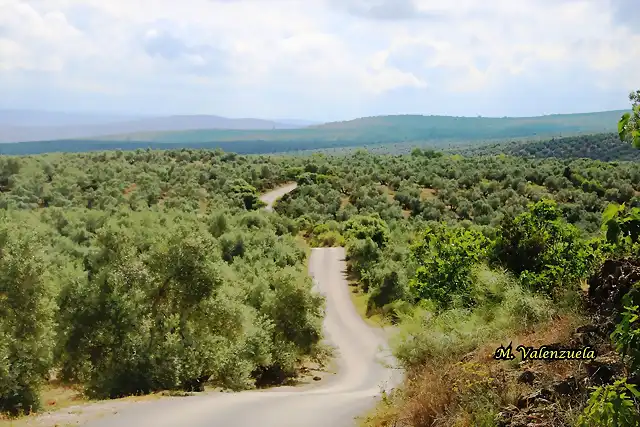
(273, 195)
(363, 372)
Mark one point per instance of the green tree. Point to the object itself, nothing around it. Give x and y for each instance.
(541, 248)
(445, 257)
(629, 124)
(26, 322)
(367, 227)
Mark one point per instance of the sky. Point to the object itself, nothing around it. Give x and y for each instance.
(319, 59)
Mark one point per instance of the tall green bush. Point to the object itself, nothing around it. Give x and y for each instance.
(26, 320)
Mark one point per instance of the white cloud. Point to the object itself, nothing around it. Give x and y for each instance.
(321, 59)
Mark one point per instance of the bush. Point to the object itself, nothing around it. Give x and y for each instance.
(388, 283)
(502, 307)
(363, 227)
(445, 257)
(175, 315)
(362, 255)
(542, 250)
(612, 405)
(626, 335)
(26, 323)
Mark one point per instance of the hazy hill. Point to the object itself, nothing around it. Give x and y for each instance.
(435, 130)
(22, 125)
(41, 118)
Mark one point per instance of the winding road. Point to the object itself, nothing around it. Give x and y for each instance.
(362, 362)
(273, 195)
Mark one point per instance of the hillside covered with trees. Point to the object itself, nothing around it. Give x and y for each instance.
(125, 273)
(606, 147)
(437, 131)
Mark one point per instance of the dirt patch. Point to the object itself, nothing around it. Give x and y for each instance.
(344, 201)
(130, 189)
(77, 414)
(428, 193)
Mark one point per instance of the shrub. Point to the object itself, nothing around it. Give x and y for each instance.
(367, 227)
(626, 335)
(26, 323)
(612, 405)
(445, 257)
(502, 307)
(541, 249)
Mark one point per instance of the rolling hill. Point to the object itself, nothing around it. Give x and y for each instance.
(606, 147)
(21, 126)
(437, 131)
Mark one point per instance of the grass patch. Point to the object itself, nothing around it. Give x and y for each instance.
(452, 378)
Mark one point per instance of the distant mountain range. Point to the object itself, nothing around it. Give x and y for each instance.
(26, 125)
(265, 136)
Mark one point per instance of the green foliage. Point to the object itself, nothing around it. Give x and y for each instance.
(445, 257)
(362, 255)
(606, 147)
(501, 307)
(389, 285)
(626, 335)
(622, 225)
(629, 124)
(26, 319)
(148, 270)
(612, 405)
(247, 194)
(544, 251)
(367, 227)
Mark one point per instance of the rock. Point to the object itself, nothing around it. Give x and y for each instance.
(316, 378)
(527, 377)
(566, 387)
(504, 417)
(196, 384)
(609, 285)
(469, 356)
(603, 369)
(587, 329)
(532, 398)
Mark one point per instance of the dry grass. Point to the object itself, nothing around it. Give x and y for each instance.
(54, 397)
(66, 406)
(344, 201)
(470, 392)
(428, 193)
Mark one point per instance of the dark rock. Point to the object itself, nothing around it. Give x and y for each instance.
(566, 387)
(317, 378)
(587, 329)
(603, 369)
(609, 285)
(634, 378)
(527, 377)
(196, 384)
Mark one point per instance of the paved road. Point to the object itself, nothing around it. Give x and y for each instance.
(362, 373)
(270, 197)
